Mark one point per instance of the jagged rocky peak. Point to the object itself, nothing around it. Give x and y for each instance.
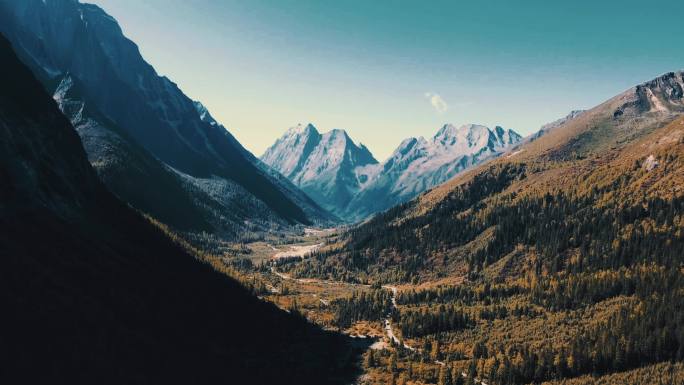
(323, 165)
(298, 132)
(662, 95)
(303, 129)
(346, 179)
(288, 154)
(450, 134)
(470, 135)
(507, 136)
(407, 145)
(338, 141)
(302, 145)
(338, 137)
(669, 84)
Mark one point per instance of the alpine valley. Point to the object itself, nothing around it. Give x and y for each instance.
(152, 146)
(142, 243)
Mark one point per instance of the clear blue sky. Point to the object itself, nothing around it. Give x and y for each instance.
(387, 70)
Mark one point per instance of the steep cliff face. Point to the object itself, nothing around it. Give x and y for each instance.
(127, 168)
(42, 162)
(660, 95)
(64, 40)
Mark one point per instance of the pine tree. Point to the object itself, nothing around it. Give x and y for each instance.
(472, 370)
(393, 362)
(444, 376)
(370, 359)
(434, 353)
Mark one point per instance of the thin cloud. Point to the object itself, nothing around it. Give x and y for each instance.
(439, 104)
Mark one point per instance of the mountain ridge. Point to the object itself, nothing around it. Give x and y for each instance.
(416, 165)
(96, 294)
(60, 38)
(592, 146)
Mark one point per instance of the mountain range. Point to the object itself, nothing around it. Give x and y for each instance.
(347, 180)
(473, 256)
(152, 145)
(616, 149)
(165, 154)
(558, 262)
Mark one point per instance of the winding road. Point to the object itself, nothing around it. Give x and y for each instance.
(387, 321)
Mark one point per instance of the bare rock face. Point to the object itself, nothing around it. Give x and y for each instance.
(650, 163)
(662, 95)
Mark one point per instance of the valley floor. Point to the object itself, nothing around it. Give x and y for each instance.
(417, 333)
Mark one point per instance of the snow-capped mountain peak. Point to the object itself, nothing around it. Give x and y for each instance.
(321, 164)
(472, 136)
(290, 151)
(448, 133)
(345, 178)
(300, 129)
(464, 136)
(419, 164)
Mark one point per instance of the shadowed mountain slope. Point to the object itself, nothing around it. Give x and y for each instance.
(149, 142)
(93, 293)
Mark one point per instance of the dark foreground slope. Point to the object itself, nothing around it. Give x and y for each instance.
(92, 293)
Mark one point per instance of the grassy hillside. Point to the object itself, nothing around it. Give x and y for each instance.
(600, 160)
(570, 249)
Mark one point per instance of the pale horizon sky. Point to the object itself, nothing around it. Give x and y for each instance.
(385, 71)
